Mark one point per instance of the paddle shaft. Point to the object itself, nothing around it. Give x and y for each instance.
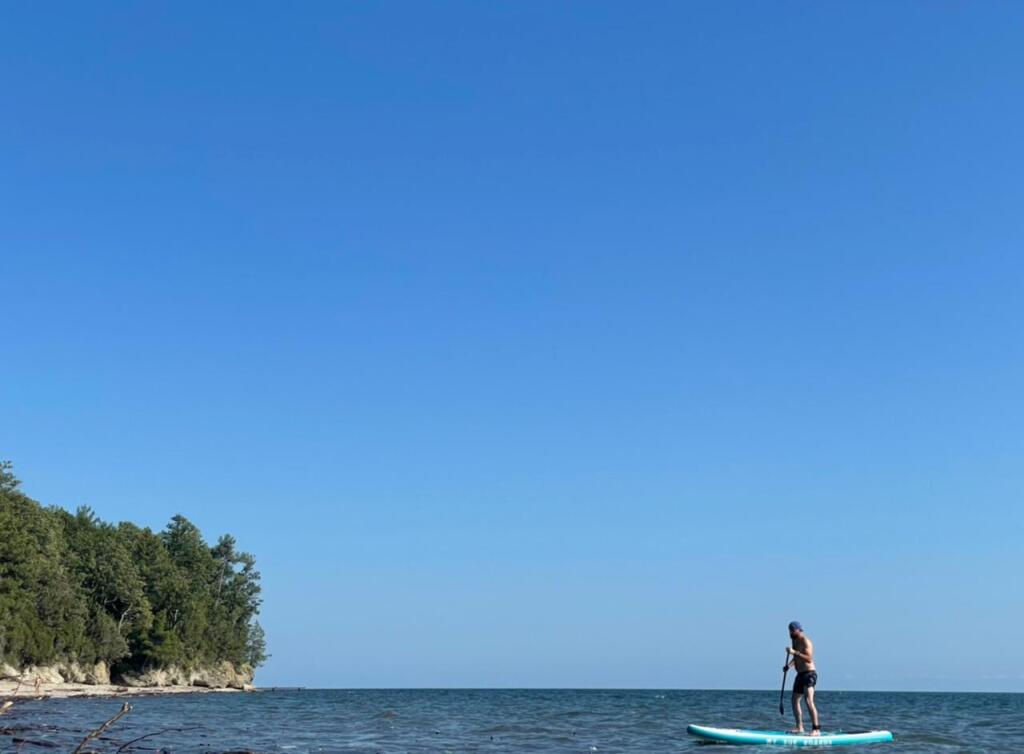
(782, 694)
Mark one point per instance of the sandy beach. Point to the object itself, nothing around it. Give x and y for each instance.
(13, 691)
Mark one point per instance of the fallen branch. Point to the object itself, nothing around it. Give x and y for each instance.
(23, 741)
(157, 733)
(102, 729)
(6, 706)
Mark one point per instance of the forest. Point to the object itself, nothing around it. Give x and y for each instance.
(75, 589)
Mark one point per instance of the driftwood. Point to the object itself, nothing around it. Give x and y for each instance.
(23, 741)
(95, 734)
(102, 729)
(156, 733)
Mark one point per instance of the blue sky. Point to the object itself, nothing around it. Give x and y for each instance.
(538, 344)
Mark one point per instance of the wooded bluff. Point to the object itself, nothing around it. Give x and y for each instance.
(100, 600)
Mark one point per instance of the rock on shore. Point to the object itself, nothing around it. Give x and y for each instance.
(72, 679)
(221, 676)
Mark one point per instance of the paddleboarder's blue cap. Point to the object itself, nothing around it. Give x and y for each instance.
(795, 626)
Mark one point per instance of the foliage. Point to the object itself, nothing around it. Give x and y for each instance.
(76, 589)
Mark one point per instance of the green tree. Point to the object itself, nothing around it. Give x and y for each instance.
(74, 588)
(8, 482)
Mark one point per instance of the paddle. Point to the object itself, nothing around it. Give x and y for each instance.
(785, 669)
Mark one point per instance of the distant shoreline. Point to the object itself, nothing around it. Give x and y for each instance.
(10, 691)
(69, 690)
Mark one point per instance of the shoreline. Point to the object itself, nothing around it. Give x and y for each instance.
(10, 690)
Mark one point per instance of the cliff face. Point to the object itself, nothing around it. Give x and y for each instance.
(72, 672)
(223, 675)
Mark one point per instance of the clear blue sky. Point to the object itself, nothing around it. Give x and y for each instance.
(538, 344)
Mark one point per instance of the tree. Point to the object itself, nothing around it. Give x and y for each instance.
(8, 482)
(74, 588)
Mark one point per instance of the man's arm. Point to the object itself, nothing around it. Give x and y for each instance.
(807, 655)
(792, 658)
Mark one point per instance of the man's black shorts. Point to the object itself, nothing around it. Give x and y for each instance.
(805, 679)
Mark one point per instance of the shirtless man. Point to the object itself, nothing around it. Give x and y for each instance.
(802, 654)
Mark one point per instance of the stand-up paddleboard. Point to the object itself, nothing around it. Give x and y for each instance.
(780, 738)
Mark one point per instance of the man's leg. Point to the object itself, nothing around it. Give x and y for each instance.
(798, 713)
(815, 728)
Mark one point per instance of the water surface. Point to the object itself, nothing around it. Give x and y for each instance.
(451, 721)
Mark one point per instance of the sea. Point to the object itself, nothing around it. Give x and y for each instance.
(453, 721)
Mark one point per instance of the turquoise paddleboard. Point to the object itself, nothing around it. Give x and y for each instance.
(780, 738)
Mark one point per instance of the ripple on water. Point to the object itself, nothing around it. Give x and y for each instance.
(493, 721)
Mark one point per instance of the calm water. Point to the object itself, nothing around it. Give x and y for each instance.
(500, 721)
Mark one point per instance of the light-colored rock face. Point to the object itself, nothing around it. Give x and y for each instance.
(154, 677)
(221, 676)
(99, 675)
(71, 672)
(244, 677)
(44, 673)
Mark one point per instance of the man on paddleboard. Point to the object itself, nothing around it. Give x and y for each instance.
(802, 654)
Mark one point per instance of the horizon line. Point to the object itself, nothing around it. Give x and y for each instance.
(614, 688)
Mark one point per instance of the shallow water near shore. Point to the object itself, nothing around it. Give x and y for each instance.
(450, 721)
